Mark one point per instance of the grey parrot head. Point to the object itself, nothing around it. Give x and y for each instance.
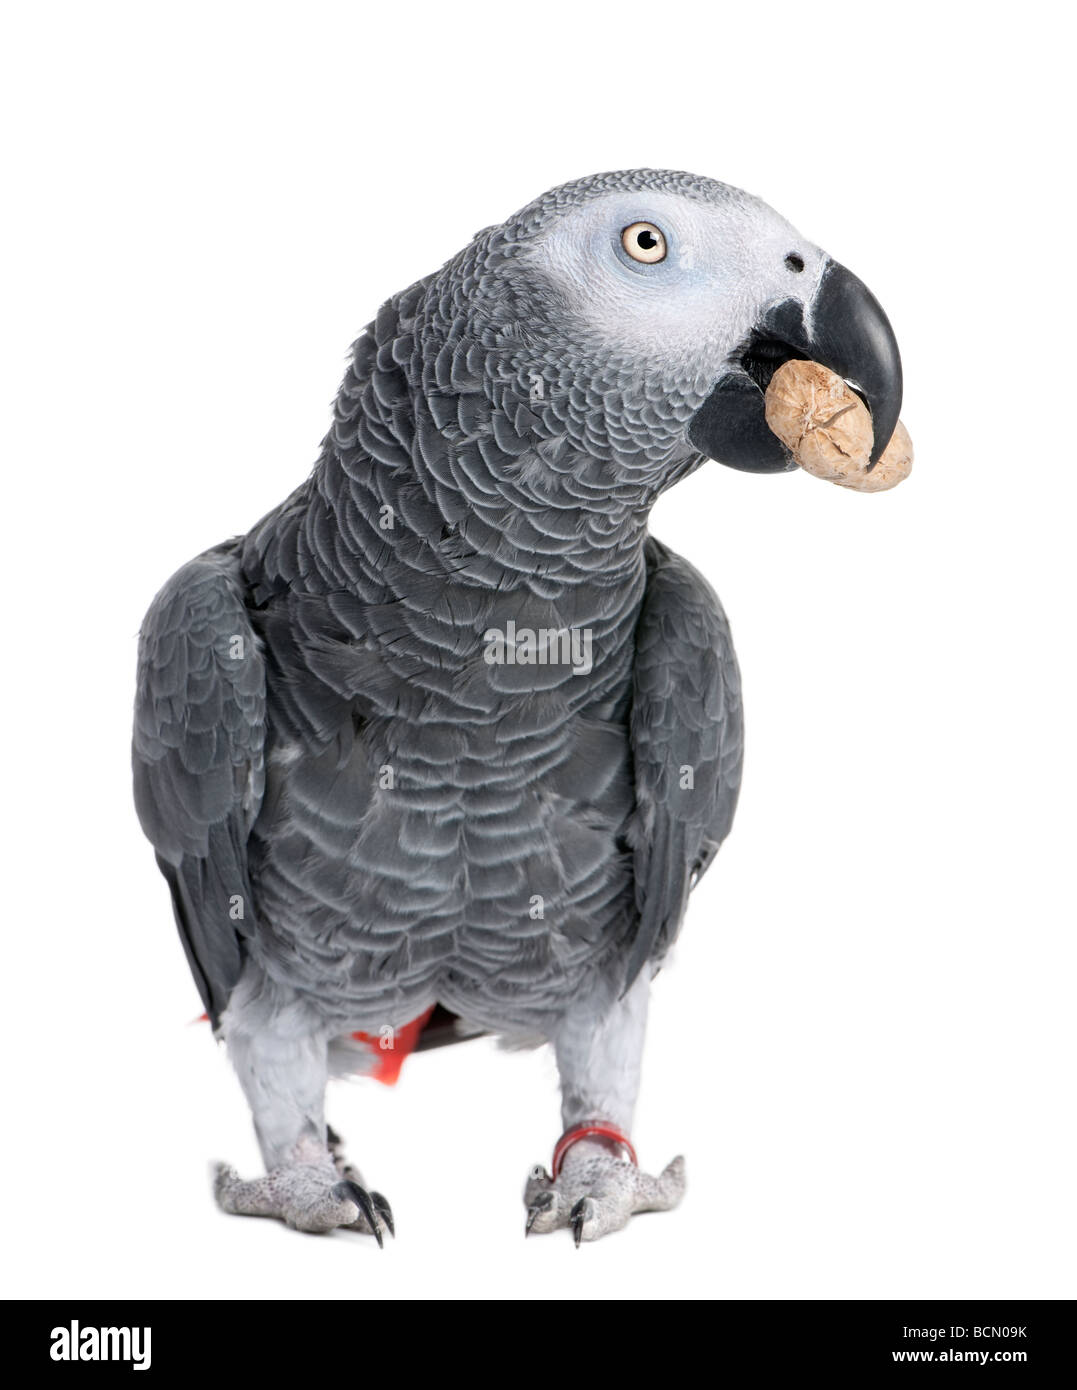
(637, 317)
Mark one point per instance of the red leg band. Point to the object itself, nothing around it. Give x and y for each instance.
(597, 1129)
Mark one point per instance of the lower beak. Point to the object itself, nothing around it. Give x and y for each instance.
(844, 329)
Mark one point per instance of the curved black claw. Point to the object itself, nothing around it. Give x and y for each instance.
(576, 1217)
(543, 1202)
(348, 1191)
(385, 1211)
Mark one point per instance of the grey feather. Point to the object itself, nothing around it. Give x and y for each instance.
(390, 805)
(198, 760)
(687, 746)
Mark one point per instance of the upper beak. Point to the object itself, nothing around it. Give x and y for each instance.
(844, 329)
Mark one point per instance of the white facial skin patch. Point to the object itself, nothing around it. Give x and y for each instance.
(725, 262)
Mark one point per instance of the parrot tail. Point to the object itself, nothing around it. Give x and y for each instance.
(381, 1055)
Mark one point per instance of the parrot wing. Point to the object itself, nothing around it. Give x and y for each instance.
(687, 744)
(198, 756)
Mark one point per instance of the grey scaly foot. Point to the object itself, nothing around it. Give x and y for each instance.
(596, 1192)
(308, 1194)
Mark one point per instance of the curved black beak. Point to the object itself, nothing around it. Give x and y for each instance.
(844, 329)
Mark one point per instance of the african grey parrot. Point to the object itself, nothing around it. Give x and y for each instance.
(448, 728)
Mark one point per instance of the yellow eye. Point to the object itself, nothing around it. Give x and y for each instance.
(644, 242)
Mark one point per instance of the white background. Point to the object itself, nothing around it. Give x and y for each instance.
(864, 1044)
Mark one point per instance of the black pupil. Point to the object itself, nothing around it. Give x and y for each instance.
(646, 240)
(794, 262)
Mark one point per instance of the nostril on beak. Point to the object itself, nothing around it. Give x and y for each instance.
(795, 262)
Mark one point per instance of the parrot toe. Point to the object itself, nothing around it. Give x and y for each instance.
(596, 1193)
(346, 1191)
(370, 1222)
(385, 1212)
(543, 1212)
(309, 1197)
(582, 1215)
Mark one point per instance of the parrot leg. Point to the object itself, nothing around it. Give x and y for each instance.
(281, 1057)
(594, 1189)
